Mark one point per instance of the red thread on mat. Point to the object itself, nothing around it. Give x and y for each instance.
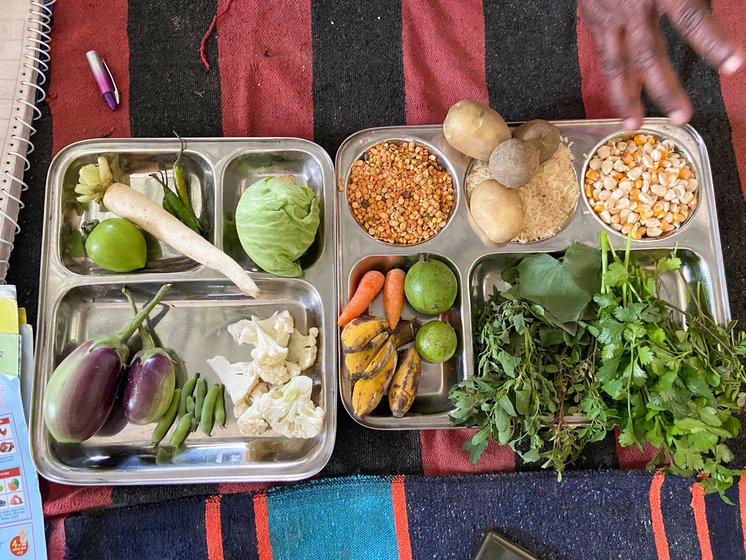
(656, 516)
(56, 544)
(261, 522)
(213, 528)
(206, 36)
(742, 507)
(401, 519)
(700, 521)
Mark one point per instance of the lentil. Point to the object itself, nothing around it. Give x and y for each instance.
(643, 180)
(400, 194)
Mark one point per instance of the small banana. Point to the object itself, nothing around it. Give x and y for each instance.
(380, 360)
(404, 332)
(404, 383)
(359, 333)
(356, 362)
(367, 393)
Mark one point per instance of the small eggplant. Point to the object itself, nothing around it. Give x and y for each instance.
(150, 381)
(116, 421)
(80, 392)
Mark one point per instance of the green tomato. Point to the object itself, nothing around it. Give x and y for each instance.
(117, 245)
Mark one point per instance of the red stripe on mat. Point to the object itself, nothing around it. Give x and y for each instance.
(632, 457)
(213, 528)
(442, 67)
(700, 521)
(266, 68)
(78, 111)
(401, 520)
(656, 515)
(742, 507)
(56, 542)
(442, 454)
(261, 521)
(732, 15)
(60, 499)
(241, 487)
(593, 81)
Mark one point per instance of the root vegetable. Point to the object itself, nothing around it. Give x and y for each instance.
(393, 296)
(370, 286)
(542, 134)
(497, 211)
(514, 162)
(474, 129)
(143, 212)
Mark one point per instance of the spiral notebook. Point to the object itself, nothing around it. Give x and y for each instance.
(25, 27)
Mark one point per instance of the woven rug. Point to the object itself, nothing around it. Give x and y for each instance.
(322, 70)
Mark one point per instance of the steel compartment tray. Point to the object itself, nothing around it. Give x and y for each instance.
(478, 266)
(77, 300)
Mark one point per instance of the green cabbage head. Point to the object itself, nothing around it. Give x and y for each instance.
(277, 221)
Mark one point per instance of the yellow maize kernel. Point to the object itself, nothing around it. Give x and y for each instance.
(627, 158)
(598, 208)
(617, 175)
(588, 191)
(654, 177)
(595, 196)
(592, 174)
(685, 173)
(639, 139)
(650, 140)
(659, 213)
(639, 233)
(665, 227)
(664, 153)
(638, 183)
(679, 217)
(693, 202)
(634, 194)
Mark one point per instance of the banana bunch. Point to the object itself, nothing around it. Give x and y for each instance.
(371, 359)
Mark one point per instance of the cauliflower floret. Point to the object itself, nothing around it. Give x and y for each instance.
(251, 422)
(279, 326)
(289, 410)
(239, 378)
(302, 348)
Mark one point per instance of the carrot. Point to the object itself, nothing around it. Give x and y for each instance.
(366, 292)
(129, 204)
(393, 296)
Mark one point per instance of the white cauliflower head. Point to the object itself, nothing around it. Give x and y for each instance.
(289, 410)
(239, 379)
(302, 348)
(279, 326)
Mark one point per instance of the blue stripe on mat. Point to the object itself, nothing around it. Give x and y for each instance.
(678, 518)
(724, 521)
(575, 519)
(349, 519)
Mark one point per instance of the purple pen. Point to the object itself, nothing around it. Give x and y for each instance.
(104, 80)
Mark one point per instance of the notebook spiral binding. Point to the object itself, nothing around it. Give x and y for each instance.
(36, 64)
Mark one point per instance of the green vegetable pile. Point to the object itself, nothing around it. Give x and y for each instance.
(583, 344)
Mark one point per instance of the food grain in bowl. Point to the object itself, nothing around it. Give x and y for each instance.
(641, 186)
(399, 193)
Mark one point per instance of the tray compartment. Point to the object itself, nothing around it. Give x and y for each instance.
(138, 167)
(244, 170)
(207, 308)
(431, 406)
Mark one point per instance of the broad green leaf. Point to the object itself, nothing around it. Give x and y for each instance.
(613, 387)
(634, 331)
(522, 399)
(645, 355)
(698, 386)
(605, 301)
(506, 405)
(611, 331)
(616, 275)
(508, 362)
(530, 456)
(671, 263)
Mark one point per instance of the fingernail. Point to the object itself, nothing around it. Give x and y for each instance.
(678, 117)
(732, 64)
(630, 124)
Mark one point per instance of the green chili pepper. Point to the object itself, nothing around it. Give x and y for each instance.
(182, 431)
(199, 401)
(187, 391)
(164, 424)
(208, 409)
(220, 408)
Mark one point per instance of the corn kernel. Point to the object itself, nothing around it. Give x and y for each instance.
(685, 173)
(593, 175)
(639, 139)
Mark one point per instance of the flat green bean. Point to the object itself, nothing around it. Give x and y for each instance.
(220, 408)
(199, 401)
(164, 424)
(182, 431)
(208, 409)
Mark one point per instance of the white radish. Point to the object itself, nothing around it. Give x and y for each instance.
(129, 204)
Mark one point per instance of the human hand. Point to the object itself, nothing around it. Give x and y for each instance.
(633, 52)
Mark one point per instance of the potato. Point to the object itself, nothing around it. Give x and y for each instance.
(514, 162)
(542, 134)
(497, 211)
(474, 129)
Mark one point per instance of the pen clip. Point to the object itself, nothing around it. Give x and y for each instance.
(116, 90)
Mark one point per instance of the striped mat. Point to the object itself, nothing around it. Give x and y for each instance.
(322, 70)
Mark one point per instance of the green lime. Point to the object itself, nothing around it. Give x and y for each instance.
(436, 341)
(430, 287)
(117, 245)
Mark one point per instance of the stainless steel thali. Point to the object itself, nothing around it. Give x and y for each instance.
(478, 266)
(78, 301)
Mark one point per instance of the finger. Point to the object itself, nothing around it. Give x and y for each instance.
(649, 55)
(623, 93)
(703, 32)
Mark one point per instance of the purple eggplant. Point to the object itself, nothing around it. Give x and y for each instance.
(80, 392)
(150, 380)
